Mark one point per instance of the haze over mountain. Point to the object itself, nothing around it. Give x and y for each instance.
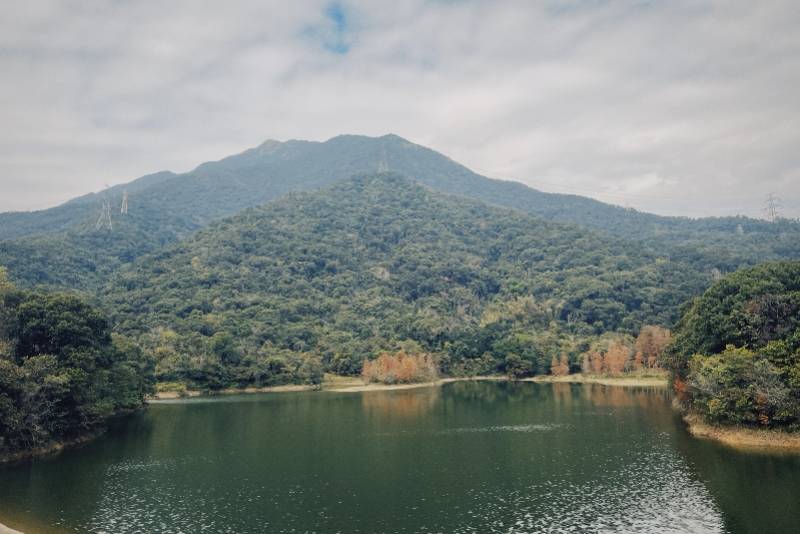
(64, 247)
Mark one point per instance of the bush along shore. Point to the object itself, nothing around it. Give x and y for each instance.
(735, 359)
(63, 374)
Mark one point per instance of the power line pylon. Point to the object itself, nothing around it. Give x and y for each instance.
(772, 207)
(383, 166)
(104, 221)
(124, 208)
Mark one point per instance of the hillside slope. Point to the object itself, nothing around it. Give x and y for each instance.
(377, 261)
(166, 207)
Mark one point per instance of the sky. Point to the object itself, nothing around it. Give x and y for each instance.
(682, 108)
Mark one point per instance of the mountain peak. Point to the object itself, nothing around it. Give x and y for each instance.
(269, 146)
(368, 138)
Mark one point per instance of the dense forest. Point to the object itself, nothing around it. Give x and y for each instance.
(736, 357)
(62, 372)
(62, 247)
(380, 263)
(276, 266)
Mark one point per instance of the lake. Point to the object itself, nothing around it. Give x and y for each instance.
(467, 457)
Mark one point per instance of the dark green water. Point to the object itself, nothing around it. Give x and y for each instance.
(465, 458)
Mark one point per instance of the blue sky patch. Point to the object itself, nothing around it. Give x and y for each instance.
(334, 35)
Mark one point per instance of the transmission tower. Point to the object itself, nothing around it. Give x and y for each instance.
(124, 208)
(382, 165)
(772, 207)
(104, 221)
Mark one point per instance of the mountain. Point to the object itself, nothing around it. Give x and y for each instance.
(380, 261)
(72, 213)
(62, 246)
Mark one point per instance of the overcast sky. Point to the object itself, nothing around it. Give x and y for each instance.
(685, 108)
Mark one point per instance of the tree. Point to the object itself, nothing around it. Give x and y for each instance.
(62, 375)
(742, 387)
(516, 366)
(650, 344)
(559, 367)
(399, 367)
(597, 363)
(753, 378)
(616, 358)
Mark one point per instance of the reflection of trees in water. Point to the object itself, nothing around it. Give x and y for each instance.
(651, 404)
(646, 398)
(403, 403)
(654, 402)
(562, 394)
(756, 491)
(474, 391)
(489, 392)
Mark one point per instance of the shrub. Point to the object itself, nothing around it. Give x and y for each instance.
(400, 368)
(740, 386)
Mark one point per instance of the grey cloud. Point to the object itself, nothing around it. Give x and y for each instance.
(677, 107)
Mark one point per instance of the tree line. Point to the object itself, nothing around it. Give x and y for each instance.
(63, 374)
(736, 358)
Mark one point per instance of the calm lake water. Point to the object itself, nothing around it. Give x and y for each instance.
(469, 457)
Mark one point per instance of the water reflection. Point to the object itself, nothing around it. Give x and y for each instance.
(468, 457)
(409, 403)
(758, 492)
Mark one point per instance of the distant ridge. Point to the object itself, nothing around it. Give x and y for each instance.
(165, 207)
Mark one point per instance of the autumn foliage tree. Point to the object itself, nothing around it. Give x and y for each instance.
(400, 368)
(596, 362)
(650, 345)
(620, 354)
(559, 367)
(614, 359)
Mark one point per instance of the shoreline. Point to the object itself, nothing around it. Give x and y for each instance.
(747, 439)
(190, 393)
(344, 384)
(621, 381)
(50, 449)
(8, 530)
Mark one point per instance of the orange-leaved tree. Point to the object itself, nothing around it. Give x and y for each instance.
(559, 368)
(400, 368)
(650, 344)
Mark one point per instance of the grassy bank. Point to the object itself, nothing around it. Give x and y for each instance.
(627, 380)
(749, 439)
(171, 394)
(331, 383)
(353, 384)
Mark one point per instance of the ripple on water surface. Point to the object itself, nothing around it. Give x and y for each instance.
(653, 492)
(480, 458)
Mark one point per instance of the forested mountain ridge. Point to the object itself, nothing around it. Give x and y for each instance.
(74, 213)
(166, 207)
(378, 262)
